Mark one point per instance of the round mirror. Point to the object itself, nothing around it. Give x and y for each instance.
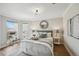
(44, 24)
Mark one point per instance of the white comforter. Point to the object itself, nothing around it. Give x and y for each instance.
(48, 40)
(36, 48)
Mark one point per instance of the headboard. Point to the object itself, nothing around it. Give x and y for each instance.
(45, 31)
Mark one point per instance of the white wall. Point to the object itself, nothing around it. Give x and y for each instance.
(53, 24)
(70, 42)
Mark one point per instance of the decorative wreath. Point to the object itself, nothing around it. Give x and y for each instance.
(44, 24)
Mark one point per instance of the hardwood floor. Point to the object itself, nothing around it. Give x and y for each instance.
(60, 50)
(9, 50)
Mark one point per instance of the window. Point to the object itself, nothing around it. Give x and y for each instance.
(12, 31)
(10, 24)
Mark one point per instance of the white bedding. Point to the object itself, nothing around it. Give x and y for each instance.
(41, 47)
(36, 48)
(48, 40)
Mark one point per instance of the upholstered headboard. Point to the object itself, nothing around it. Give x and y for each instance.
(44, 33)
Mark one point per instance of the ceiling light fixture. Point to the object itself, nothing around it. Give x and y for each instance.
(36, 12)
(54, 3)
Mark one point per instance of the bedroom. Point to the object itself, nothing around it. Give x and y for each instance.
(34, 29)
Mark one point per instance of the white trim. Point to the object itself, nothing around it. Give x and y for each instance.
(69, 50)
(67, 9)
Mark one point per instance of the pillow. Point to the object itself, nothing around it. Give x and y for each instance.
(34, 38)
(43, 36)
(48, 34)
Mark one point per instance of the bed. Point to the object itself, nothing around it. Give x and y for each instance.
(45, 36)
(41, 47)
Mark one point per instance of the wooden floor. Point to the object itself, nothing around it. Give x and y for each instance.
(60, 50)
(10, 49)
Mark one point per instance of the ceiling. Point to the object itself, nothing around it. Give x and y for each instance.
(26, 11)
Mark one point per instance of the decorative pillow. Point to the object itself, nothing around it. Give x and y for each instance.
(43, 36)
(34, 38)
(48, 34)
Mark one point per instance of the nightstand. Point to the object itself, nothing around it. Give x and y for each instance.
(57, 40)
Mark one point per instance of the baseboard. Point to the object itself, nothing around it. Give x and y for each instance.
(69, 50)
